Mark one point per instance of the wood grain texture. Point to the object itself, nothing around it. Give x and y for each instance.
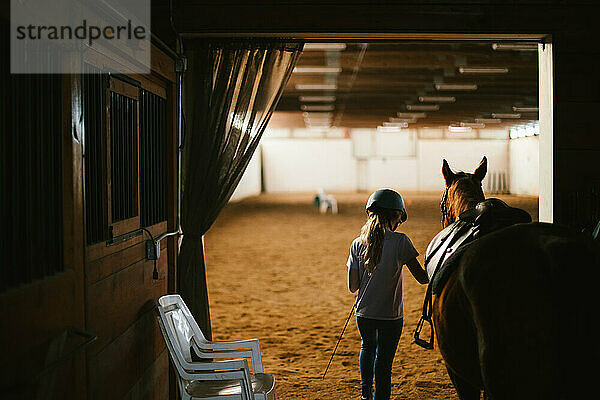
(103, 267)
(162, 64)
(115, 370)
(154, 384)
(99, 250)
(124, 88)
(116, 302)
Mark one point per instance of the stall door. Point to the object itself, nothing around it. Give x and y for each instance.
(41, 281)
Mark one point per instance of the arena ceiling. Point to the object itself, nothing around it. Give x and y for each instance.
(364, 85)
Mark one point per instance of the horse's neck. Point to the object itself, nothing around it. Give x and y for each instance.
(465, 207)
(458, 207)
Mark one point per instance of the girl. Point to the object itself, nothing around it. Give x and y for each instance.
(375, 269)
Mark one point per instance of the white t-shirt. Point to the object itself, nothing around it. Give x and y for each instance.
(381, 293)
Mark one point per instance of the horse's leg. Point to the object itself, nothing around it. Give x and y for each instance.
(465, 390)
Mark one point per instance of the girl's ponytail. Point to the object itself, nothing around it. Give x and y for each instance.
(372, 234)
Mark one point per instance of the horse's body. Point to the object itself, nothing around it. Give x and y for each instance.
(511, 320)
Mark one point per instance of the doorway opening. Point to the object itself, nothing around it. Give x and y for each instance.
(357, 115)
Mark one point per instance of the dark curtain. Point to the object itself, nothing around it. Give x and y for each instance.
(231, 90)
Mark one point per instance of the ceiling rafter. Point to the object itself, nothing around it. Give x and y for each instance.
(394, 75)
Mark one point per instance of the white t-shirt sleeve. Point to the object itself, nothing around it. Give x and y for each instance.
(354, 257)
(406, 250)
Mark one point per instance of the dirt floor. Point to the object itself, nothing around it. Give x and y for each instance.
(276, 271)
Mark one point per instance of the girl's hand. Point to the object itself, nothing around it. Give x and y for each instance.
(420, 274)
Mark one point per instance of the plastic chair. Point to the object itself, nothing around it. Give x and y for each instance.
(325, 201)
(230, 379)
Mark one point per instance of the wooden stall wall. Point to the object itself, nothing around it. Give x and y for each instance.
(129, 359)
(42, 332)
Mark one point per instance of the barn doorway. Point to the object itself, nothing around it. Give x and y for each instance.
(355, 117)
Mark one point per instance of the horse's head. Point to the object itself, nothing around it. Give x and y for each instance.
(463, 191)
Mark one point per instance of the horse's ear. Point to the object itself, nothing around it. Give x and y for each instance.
(481, 170)
(447, 172)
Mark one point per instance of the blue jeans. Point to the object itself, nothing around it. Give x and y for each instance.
(378, 348)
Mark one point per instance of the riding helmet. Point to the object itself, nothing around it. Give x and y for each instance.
(387, 198)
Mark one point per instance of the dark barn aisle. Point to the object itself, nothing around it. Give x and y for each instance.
(276, 271)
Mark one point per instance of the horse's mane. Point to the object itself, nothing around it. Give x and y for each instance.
(463, 195)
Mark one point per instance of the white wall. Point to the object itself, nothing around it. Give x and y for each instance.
(295, 165)
(251, 181)
(546, 155)
(524, 165)
(462, 155)
(393, 173)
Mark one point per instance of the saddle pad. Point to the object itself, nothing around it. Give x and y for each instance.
(446, 249)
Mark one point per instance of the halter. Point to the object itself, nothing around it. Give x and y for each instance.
(444, 205)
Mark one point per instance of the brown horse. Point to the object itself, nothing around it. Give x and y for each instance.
(513, 319)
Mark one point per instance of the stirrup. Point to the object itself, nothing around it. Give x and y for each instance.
(423, 343)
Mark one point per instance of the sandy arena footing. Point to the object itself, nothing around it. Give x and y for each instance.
(276, 271)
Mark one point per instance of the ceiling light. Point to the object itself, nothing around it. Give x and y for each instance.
(520, 131)
(324, 46)
(401, 120)
(316, 99)
(316, 87)
(488, 120)
(506, 115)
(455, 86)
(515, 46)
(316, 121)
(395, 124)
(478, 125)
(317, 70)
(313, 118)
(459, 129)
(437, 99)
(320, 107)
(388, 129)
(411, 115)
(525, 109)
(422, 107)
(317, 115)
(483, 70)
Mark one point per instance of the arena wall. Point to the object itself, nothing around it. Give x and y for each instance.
(462, 155)
(251, 182)
(288, 163)
(297, 165)
(524, 166)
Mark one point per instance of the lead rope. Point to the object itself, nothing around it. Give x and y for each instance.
(348, 319)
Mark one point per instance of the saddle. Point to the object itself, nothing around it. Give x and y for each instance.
(447, 247)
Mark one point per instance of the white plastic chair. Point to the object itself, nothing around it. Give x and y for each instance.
(230, 379)
(326, 201)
